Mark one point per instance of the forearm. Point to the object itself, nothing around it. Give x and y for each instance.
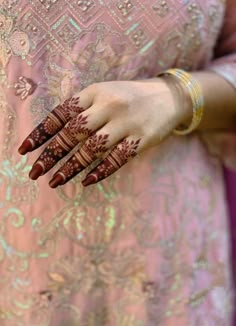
(220, 102)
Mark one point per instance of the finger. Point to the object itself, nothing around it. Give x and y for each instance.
(95, 147)
(75, 131)
(55, 121)
(119, 156)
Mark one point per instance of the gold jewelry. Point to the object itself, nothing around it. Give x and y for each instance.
(196, 96)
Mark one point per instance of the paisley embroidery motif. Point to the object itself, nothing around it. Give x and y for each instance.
(131, 250)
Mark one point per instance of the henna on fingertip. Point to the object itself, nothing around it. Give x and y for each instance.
(69, 137)
(51, 125)
(118, 157)
(95, 146)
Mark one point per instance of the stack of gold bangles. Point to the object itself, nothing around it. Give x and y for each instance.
(196, 95)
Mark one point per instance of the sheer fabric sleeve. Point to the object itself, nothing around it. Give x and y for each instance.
(224, 64)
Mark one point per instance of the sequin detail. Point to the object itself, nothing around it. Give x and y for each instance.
(133, 250)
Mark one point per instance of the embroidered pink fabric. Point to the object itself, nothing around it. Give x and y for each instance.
(149, 245)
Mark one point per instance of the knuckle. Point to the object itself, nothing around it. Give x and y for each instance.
(117, 102)
(93, 87)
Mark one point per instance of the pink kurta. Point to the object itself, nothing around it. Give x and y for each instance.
(148, 246)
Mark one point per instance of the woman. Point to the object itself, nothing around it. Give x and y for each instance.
(148, 245)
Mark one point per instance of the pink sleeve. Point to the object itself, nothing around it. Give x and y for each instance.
(225, 54)
(222, 144)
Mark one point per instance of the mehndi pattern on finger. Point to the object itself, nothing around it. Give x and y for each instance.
(52, 124)
(95, 146)
(120, 155)
(69, 137)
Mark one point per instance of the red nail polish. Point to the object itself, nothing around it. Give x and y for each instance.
(90, 179)
(56, 181)
(25, 147)
(36, 171)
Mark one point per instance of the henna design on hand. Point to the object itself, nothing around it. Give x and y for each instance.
(51, 125)
(95, 146)
(74, 131)
(120, 155)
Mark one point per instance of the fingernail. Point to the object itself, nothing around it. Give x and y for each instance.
(25, 147)
(90, 179)
(36, 171)
(56, 181)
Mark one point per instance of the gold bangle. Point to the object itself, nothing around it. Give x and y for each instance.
(196, 96)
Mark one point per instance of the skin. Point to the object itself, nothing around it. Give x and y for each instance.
(116, 120)
(220, 102)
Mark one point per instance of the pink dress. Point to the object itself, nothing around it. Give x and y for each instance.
(148, 246)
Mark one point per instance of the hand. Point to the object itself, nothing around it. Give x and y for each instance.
(113, 121)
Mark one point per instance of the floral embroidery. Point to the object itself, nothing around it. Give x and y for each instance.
(125, 251)
(24, 87)
(12, 42)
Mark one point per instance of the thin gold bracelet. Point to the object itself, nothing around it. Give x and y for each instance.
(196, 96)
